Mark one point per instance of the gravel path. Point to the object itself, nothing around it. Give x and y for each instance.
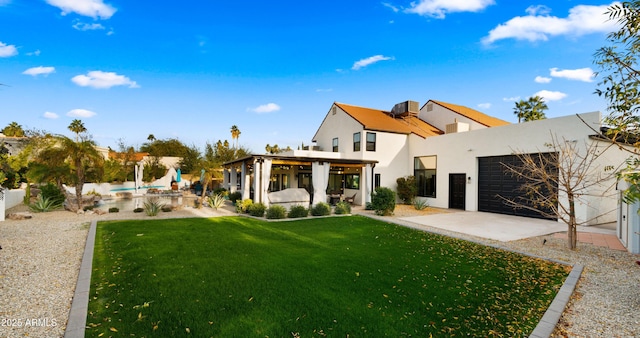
(40, 259)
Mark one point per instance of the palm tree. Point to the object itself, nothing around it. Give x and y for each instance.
(521, 109)
(77, 127)
(64, 160)
(536, 109)
(151, 138)
(235, 134)
(13, 130)
(530, 110)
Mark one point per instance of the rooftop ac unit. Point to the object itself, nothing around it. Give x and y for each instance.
(405, 108)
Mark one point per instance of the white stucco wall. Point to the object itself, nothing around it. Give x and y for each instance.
(459, 153)
(392, 150)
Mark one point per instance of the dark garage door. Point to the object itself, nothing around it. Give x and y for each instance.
(494, 180)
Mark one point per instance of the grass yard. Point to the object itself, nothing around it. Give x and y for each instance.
(338, 277)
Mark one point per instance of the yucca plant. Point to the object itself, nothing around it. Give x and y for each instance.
(420, 204)
(216, 201)
(43, 204)
(152, 206)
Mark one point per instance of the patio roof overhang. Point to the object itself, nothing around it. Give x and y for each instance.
(300, 160)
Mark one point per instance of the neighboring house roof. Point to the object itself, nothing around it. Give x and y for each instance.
(472, 114)
(380, 120)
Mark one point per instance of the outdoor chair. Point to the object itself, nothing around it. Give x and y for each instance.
(351, 199)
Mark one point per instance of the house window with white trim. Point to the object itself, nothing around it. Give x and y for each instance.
(424, 170)
(356, 141)
(371, 141)
(335, 145)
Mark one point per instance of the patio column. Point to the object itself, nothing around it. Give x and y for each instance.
(367, 172)
(246, 181)
(266, 179)
(257, 178)
(234, 180)
(320, 177)
(225, 178)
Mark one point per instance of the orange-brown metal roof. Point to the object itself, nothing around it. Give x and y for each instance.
(472, 114)
(380, 120)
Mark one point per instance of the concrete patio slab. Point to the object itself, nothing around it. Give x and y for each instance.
(499, 227)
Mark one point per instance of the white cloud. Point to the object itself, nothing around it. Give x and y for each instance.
(36, 53)
(50, 115)
(83, 26)
(265, 108)
(35, 71)
(91, 8)
(581, 74)
(324, 90)
(81, 113)
(100, 79)
(369, 61)
(390, 6)
(7, 50)
(542, 79)
(484, 105)
(511, 99)
(438, 8)
(539, 26)
(550, 96)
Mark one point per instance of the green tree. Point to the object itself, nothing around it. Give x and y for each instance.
(13, 129)
(235, 135)
(530, 110)
(77, 127)
(64, 160)
(191, 159)
(619, 82)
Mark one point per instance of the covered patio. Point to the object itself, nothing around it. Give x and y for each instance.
(326, 177)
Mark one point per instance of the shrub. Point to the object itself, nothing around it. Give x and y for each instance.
(138, 210)
(243, 206)
(276, 212)
(43, 204)
(235, 196)
(342, 208)
(383, 201)
(420, 204)
(152, 206)
(220, 191)
(88, 207)
(256, 209)
(298, 211)
(216, 201)
(114, 209)
(368, 206)
(407, 189)
(27, 194)
(53, 193)
(321, 209)
(166, 208)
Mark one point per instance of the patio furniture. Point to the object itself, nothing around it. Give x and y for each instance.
(290, 197)
(351, 199)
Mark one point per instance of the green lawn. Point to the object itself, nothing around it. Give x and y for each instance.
(343, 276)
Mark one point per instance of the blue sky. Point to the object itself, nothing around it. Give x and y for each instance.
(190, 70)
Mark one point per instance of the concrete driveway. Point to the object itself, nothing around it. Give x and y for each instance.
(503, 228)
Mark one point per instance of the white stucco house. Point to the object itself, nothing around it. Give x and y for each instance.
(455, 153)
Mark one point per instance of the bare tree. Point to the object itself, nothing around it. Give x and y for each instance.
(568, 174)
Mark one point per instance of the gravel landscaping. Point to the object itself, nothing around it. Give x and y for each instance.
(40, 260)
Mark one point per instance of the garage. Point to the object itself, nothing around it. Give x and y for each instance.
(495, 181)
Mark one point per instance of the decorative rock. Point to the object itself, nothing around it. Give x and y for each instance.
(19, 215)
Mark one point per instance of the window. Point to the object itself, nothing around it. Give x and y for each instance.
(279, 182)
(356, 142)
(371, 141)
(352, 181)
(376, 181)
(305, 181)
(424, 170)
(335, 145)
